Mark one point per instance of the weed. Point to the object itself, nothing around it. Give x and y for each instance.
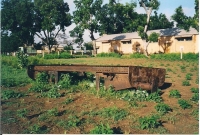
(65, 81)
(43, 117)
(22, 59)
(53, 112)
(22, 113)
(195, 113)
(169, 70)
(184, 104)
(194, 90)
(149, 122)
(114, 113)
(52, 93)
(188, 76)
(72, 121)
(102, 129)
(186, 83)
(7, 117)
(137, 95)
(182, 68)
(155, 96)
(162, 108)
(7, 94)
(195, 97)
(36, 129)
(197, 80)
(174, 93)
(68, 100)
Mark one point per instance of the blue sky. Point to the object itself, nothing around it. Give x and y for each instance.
(167, 7)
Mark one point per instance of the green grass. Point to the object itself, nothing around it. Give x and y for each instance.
(11, 77)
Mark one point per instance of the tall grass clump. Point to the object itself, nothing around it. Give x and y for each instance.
(137, 55)
(112, 54)
(175, 56)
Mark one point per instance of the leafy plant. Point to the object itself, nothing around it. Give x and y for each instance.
(162, 108)
(7, 94)
(188, 76)
(195, 97)
(102, 129)
(155, 96)
(184, 104)
(22, 113)
(52, 93)
(36, 129)
(174, 93)
(65, 81)
(22, 59)
(195, 113)
(149, 122)
(194, 90)
(186, 83)
(114, 113)
(53, 112)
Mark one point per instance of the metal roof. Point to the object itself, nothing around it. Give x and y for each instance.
(162, 32)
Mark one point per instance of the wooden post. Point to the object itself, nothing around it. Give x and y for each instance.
(56, 77)
(97, 81)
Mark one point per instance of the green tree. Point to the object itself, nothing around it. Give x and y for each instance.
(17, 22)
(185, 22)
(51, 17)
(84, 17)
(149, 6)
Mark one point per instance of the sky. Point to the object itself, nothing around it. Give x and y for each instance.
(166, 7)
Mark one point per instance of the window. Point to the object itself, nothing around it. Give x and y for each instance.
(126, 42)
(184, 38)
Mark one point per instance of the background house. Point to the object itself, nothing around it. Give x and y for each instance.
(171, 40)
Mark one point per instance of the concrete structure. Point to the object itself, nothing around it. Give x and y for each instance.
(173, 40)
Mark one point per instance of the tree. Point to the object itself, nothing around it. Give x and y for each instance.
(51, 17)
(84, 17)
(17, 22)
(185, 22)
(149, 6)
(77, 34)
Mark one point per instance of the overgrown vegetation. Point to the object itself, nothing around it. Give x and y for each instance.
(184, 104)
(148, 122)
(174, 93)
(102, 129)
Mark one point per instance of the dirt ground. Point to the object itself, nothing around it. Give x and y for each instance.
(178, 121)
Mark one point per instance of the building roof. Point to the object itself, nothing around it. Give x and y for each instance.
(162, 32)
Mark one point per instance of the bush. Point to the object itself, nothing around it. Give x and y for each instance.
(162, 108)
(149, 122)
(65, 81)
(184, 104)
(174, 93)
(112, 54)
(102, 129)
(137, 55)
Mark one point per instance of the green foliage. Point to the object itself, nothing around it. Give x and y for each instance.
(195, 113)
(22, 59)
(63, 55)
(186, 83)
(72, 121)
(65, 81)
(149, 122)
(11, 77)
(188, 76)
(52, 92)
(194, 90)
(53, 112)
(174, 93)
(114, 113)
(175, 56)
(137, 95)
(184, 104)
(137, 55)
(22, 113)
(153, 37)
(102, 129)
(155, 96)
(112, 54)
(7, 94)
(36, 129)
(162, 108)
(195, 97)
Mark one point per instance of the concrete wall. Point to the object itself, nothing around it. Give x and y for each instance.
(168, 44)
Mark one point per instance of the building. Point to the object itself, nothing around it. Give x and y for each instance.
(173, 40)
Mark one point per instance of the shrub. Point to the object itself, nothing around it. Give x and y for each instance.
(102, 129)
(186, 83)
(112, 54)
(184, 104)
(174, 93)
(137, 55)
(22, 113)
(149, 122)
(162, 108)
(155, 96)
(114, 113)
(65, 81)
